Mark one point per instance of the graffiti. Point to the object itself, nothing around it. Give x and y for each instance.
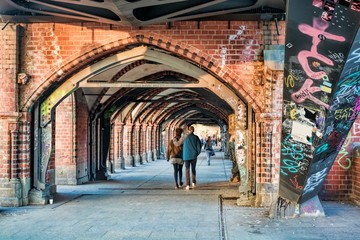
(295, 152)
(309, 207)
(343, 114)
(305, 92)
(238, 33)
(356, 128)
(343, 160)
(355, 55)
(356, 109)
(322, 148)
(223, 54)
(295, 182)
(314, 180)
(290, 81)
(317, 31)
(281, 206)
(334, 138)
(337, 57)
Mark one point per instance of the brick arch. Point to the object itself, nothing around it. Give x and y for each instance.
(176, 47)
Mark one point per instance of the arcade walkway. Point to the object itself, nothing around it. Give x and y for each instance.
(141, 203)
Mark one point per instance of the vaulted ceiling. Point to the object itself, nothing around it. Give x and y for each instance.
(139, 12)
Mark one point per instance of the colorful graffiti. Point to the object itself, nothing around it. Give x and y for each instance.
(314, 121)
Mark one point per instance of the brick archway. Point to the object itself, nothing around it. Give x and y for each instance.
(95, 53)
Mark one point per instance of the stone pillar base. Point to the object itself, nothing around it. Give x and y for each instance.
(38, 197)
(282, 208)
(10, 193)
(246, 200)
(137, 160)
(129, 161)
(150, 156)
(144, 158)
(312, 208)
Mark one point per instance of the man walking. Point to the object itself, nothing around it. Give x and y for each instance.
(191, 149)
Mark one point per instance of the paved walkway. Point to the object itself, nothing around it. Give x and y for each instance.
(141, 203)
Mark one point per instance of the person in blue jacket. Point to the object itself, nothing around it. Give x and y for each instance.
(191, 149)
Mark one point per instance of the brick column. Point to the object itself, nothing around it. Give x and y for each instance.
(129, 160)
(136, 145)
(149, 142)
(119, 146)
(10, 181)
(143, 143)
(268, 157)
(156, 139)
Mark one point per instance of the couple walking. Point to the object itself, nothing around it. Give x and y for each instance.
(184, 148)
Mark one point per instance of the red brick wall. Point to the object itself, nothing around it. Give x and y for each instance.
(65, 165)
(8, 97)
(343, 179)
(65, 125)
(237, 44)
(355, 194)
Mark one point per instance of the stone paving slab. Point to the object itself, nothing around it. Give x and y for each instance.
(141, 203)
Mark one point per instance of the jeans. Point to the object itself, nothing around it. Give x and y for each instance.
(178, 172)
(193, 171)
(208, 155)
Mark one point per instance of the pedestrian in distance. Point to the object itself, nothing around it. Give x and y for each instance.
(191, 150)
(174, 155)
(208, 149)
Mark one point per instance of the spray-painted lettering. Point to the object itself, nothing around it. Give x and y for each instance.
(295, 182)
(355, 55)
(356, 109)
(318, 29)
(342, 158)
(314, 180)
(343, 114)
(305, 92)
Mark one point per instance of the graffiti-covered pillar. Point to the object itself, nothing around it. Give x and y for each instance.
(43, 146)
(319, 98)
(242, 154)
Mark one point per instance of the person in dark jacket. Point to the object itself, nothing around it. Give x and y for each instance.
(191, 149)
(174, 153)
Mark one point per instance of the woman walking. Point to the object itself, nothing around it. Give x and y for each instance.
(174, 153)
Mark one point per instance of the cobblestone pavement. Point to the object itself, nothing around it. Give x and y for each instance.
(142, 203)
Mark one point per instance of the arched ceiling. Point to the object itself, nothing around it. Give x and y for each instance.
(144, 84)
(139, 12)
(146, 101)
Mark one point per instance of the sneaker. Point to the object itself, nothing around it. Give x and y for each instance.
(187, 187)
(194, 184)
(181, 183)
